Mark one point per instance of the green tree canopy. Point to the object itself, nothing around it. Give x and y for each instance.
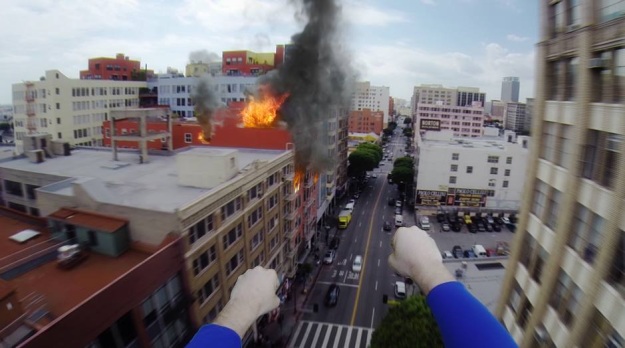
(404, 162)
(407, 120)
(402, 174)
(377, 149)
(361, 161)
(392, 125)
(387, 131)
(409, 324)
(407, 131)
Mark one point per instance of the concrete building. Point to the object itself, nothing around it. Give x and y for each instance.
(247, 63)
(497, 111)
(510, 89)
(375, 98)
(467, 96)
(529, 114)
(119, 68)
(44, 297)
(175, 90)
(366, 121)
(199, 69)
(233, 208)
(71, 110)
(455, 172)
(565, 282)
(439, 95)
(514, 117)
(464, 121)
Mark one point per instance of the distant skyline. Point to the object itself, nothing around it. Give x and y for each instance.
(394, 43)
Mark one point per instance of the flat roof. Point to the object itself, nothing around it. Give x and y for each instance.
(489, 143)
(101, 222)
(59, 289)
(153, 185)
(485, 285)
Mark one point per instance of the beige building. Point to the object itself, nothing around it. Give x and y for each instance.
(71, 110)
(374, 98)
(565, 283)
(234, 207)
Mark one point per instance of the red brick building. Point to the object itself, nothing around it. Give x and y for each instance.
(366, 121)
(245, 63)
(119, 68)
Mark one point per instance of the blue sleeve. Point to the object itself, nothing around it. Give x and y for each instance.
(212, 335)
(464, 321)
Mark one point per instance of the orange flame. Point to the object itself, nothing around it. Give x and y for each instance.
(297, 181)
(262, 113)
(316, 178)
(202, 138)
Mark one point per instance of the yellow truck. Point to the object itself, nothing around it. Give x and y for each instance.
(344, 218)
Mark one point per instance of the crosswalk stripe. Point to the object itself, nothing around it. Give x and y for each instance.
(313, 334)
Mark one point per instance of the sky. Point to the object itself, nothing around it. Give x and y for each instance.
(394, 43)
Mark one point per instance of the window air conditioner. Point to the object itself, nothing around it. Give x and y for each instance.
(596, 63)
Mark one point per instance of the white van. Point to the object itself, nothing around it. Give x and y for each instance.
(350, 207)
(479, 250)
(357, 265)
(424, 223)
(399, 221)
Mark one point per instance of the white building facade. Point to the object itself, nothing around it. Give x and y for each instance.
(484, 172)
(463, 121)
(71, 110)
(375, 98)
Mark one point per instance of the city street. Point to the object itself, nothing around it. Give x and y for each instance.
(360, 306)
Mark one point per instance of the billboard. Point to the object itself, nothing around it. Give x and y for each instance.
(429, 124)
(460, 197)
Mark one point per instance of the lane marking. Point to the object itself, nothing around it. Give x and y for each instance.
(380, 244)
(339, 284)
(376, 285)
(372, 316)
(364, 261)
(378, 262)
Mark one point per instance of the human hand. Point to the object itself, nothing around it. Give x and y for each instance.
(416, 255)
(253, 295)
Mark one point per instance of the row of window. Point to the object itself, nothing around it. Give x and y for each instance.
(99, 91)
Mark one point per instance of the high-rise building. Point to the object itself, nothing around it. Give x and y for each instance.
(514, 116)
(510, 89)
(565, 282)
(463, 121)
(375, 98)
(70, 110)
(467, 96)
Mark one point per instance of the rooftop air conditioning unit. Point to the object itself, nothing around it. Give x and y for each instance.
(596, 63)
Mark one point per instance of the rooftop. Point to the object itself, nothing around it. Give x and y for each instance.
(58, 290)
(485, 285)
(490, 143)
(152, 185)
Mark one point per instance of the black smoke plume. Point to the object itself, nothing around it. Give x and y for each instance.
(206, 101)
(203, 56)
(318, 76)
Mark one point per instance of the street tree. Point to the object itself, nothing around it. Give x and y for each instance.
(392, 125)
(407, 120)
(361, 161)
(377, 149)
(404, 162)
(408, 324)
(402, 175)
(407, 132)
(387, 131)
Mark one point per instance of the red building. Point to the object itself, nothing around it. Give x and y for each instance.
(228, 133)
(237, 63)
(119, 68)
(366, 121)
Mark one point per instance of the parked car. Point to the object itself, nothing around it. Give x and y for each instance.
(490, 220)
(334, 243)
(467, 220)
(329, 257)
(472, 228)
(400, 289)
(332, 296)
(498, 221)
(488, 227)
(457, 251)
(447, 254)
(398, 204)
(513, 218)
(357, 265)
(497, 227)
(456, 227)
(356, 196)
(397, 211)
(387, 226)
(375, 176)
(352, 201)
(469, 254)
(440, 217)
(480, 227)
(505, 220)
(445, 227)
(391, 202)
(511, 227)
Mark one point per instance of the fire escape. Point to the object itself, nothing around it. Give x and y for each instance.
(31, 106)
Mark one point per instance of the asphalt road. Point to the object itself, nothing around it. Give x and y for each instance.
(360, 301)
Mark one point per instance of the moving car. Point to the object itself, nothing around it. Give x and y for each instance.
(329, 257)
(400, 289)
(399, 220)
(357, 265)
(332, 296)
(352, 201)
(387, 226)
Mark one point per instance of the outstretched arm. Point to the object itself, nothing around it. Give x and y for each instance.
(253, 295)
(461, 318)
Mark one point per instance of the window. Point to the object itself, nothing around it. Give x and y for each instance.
(454, 167)
(13, 187)
(515, 297)
(493, 159)
(455, 156)
(231, 208)
(587, 233)
(524, 313)
(565, 298)
(556, 14)
(469, 169)
(204, 260)
(232, 236)
(209, 288)
(188, 138)
(58, 91)
(611, 9)
(540, 198)
(616, 277)
(570, 77)
(257, 239)
(506, 172)
(602, 152)
(452, 179)
(600, 333)
(58, 120)
(198, 230)
(255, 192)
(590, 154)
(611, 159)
(553, 74)
(235, 262)
(505, 183)
(554, 206)
(549, 140)
(272, 202)
(494, 170)
(492, 183)
(255, 216)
